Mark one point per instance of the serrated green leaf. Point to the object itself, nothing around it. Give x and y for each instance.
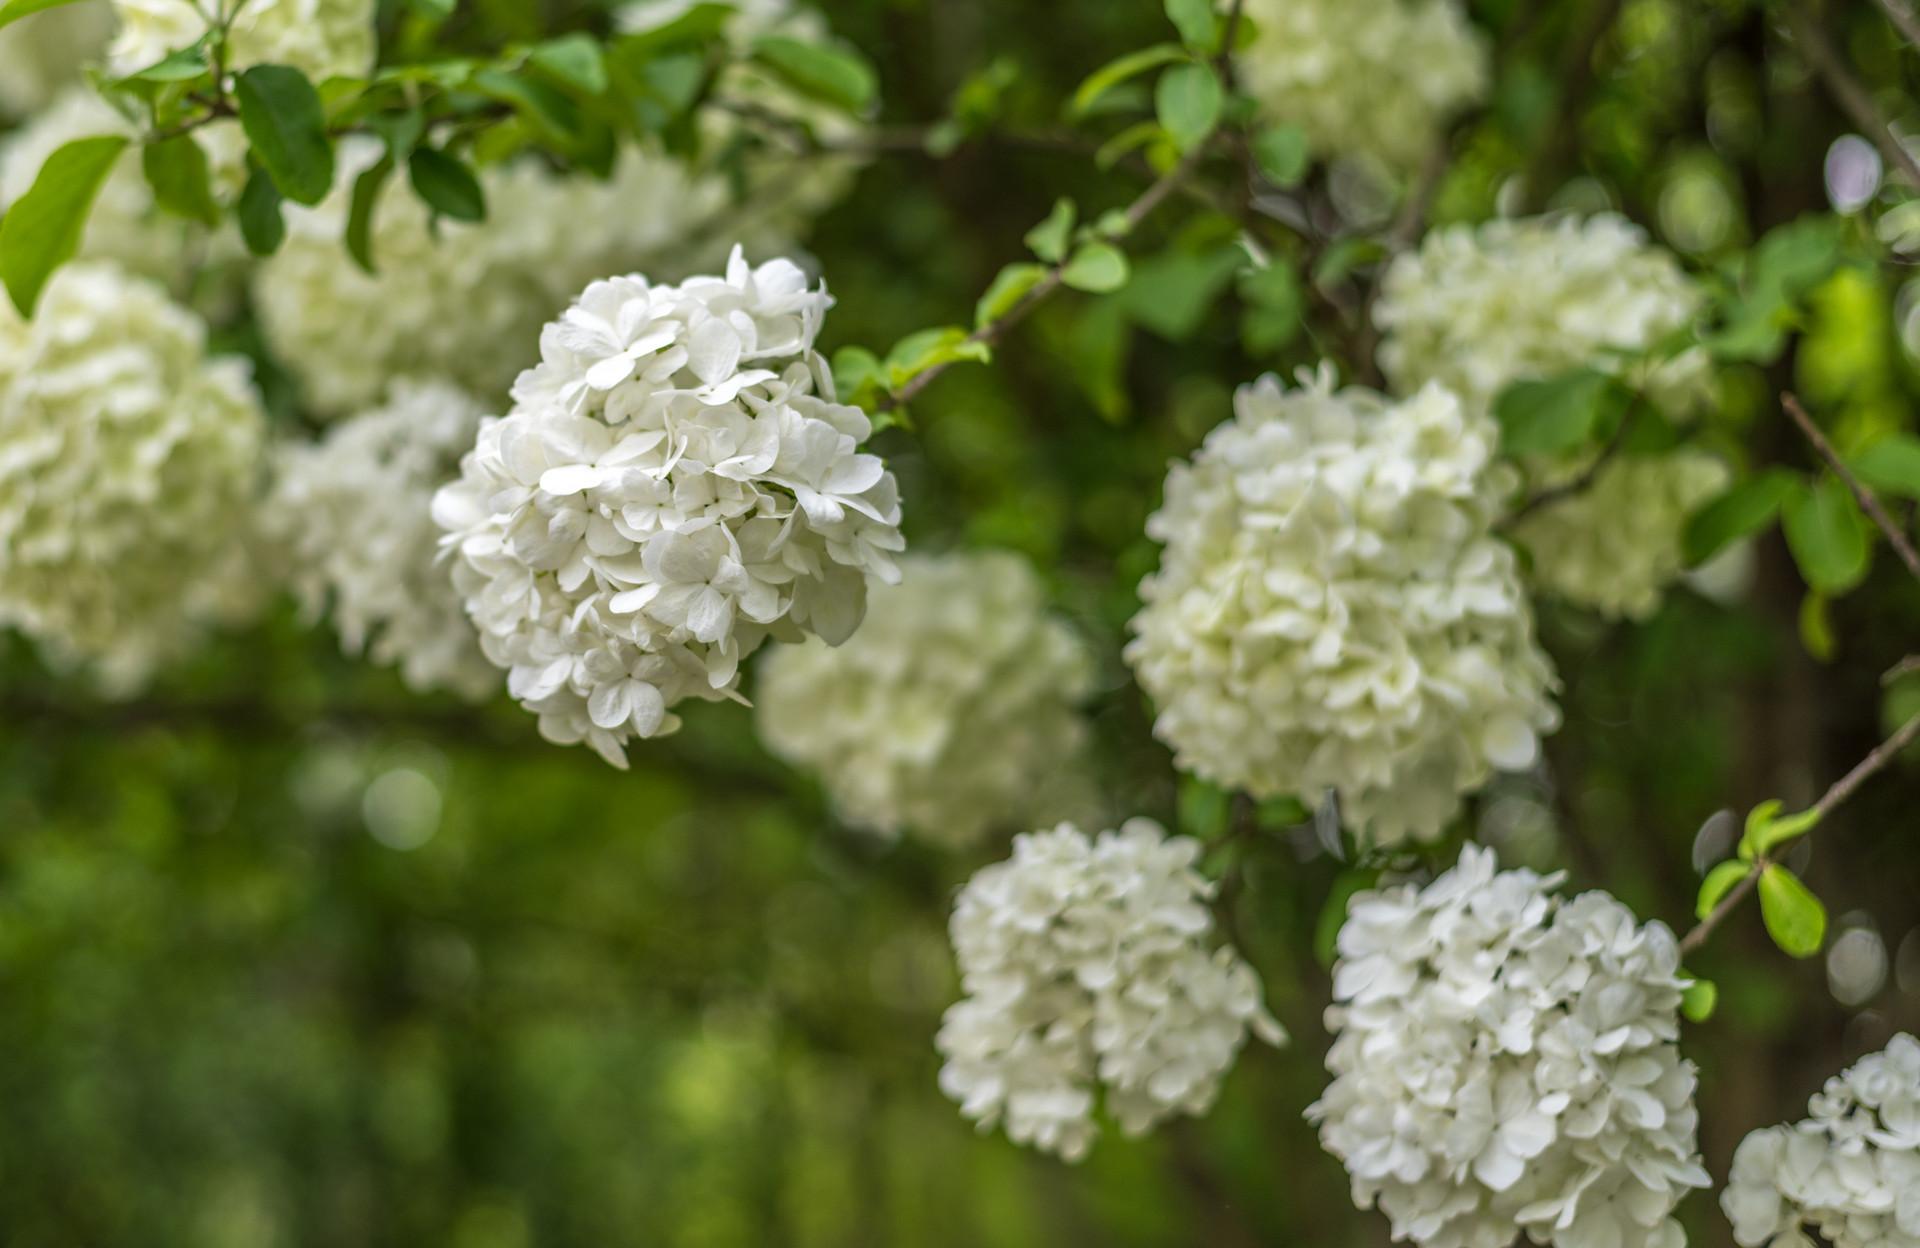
(181, 177)
(1560, 414)
(1698, 999)
(1097, 268)
(447, 186)
(1828, 536)
(1719, 882)
(14, 10)
(1117, 71)
(1794, 916)
(1281, 153)
(1049, 239)
(287, 128)
(832, 74)
(261, 225)
(42, 229)
(1745, 509)
(574, 59)
(366, 198)
(1194, 19)
(1187, 101)
(1891, 465)
(1009, 287)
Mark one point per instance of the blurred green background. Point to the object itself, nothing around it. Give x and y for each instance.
(289, 956)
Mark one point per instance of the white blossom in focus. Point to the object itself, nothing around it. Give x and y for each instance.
(1376, 79)
(674, 485)
(1333, 611)
(1849, 1170)
(128, 469)
(1614, 545)
(42, 54)
(1088, 973)
(951, 712)
(1505, 1062)
(320, 38)
(352, 513)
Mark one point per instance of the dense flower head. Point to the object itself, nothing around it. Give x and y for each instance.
(1087, 971)
(1333, 612)
(128, 466)
(320, 38)
(42, 54)
(465, 301)
(674, 485)
(1614, 545)
(1505, 1062)
(353, 514)
(1371, 78)
(951, 712)
(1849, 1170)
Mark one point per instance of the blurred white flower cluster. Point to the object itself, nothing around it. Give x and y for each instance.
(128, 465)
(42, 54)
(320, 38)
(1377, 79)
(1614, 545)
(674, 485)
(1851, 1170)
(952, 712)
(353, 513)
(1086, 966)
(1505, 1062)
(1333, 612)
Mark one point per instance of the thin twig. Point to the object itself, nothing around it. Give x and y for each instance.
(1868, 503)
(1579, 484)
(1842, 789)
(1853, 98)
(1902, 18)
(1905, 667)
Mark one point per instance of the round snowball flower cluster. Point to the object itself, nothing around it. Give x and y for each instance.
(951, 712)
(1087, 968)
(320, 38)
(1505, 1063)
(353, 514)
(1378, 79)
(43, 53)
(674, 485)
(128, 465)
(1851, 1170)
(1333, 612)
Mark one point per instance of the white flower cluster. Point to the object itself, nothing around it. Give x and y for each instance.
(463, 301)
(1614, 546)
(1086, 966)
(320, 38)
(1378, 79)
(1332, 610)
(951, 712)
(1505, 1062)
(674, 485)
(1477, 308)
(1851, 1170)
(353, 514)
(41, 54)
(128, 467)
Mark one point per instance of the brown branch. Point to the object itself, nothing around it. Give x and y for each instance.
(1847, 92)
(1868, 503)
(1842, 789)
(1902, 18)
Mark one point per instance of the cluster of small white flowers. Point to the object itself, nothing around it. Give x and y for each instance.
(1614, 546)
(1332, 610)
(1086, 967)
(353, 513)
(128, 465)
(42, 54)
(320, 38)
(463, 301)
(1851, 1170)
(949, 713)
(1505, 1061)
(674, 485)
(1378, 79)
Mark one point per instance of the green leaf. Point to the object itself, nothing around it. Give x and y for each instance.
(1766, 829)
(1333, 911)
(1746, 508)
(1049, 239)
(1115, 72)
(1135, 136)
(281, 113)
(548, 111)
(1719, 882)
(931, 348)
(1343, 256)
(433, 10)
(1009, 287)
(1827, 535)
(1275, 302)
(1171, 293)
(259, 212)
(1195, 21)
(446, 184)
(1281, 153)
(856, 375)
(366, 197)
(180, 66)
(1098, 268)
(575, 60)
(181, 178)
(1559, 414)
(1891, 465)
(1794, 916)
(835, 75)
(1816, 627)
(14, 10)
(1187, 100)
(42, 229)
(1698, 999)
